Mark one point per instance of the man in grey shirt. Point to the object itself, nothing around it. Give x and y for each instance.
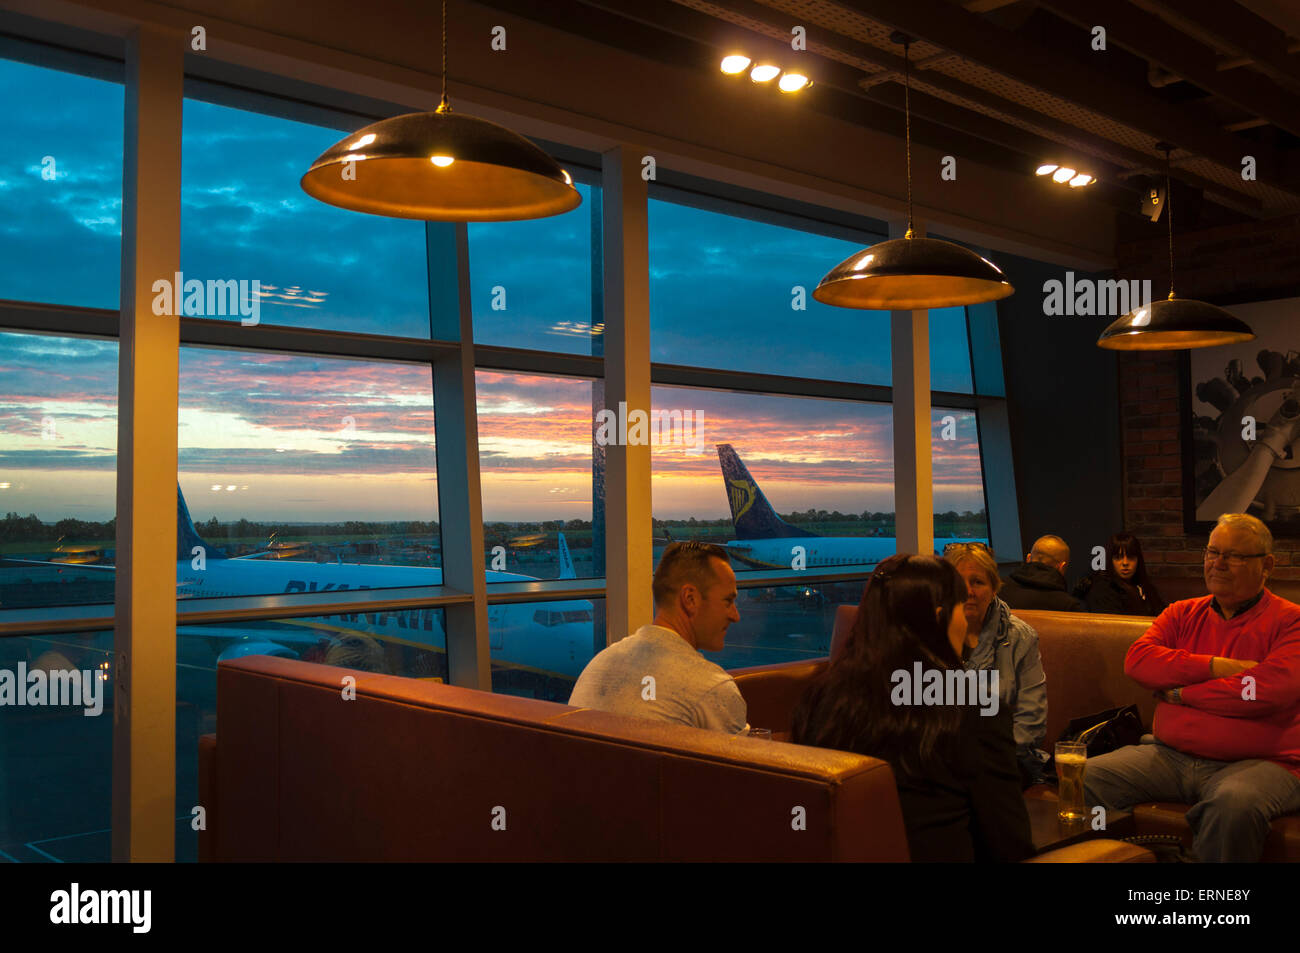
(658, 671)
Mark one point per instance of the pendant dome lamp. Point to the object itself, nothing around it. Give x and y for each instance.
(441, 166)
(908, 273)
(1175, 323)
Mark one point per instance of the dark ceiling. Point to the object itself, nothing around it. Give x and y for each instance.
(1012, 83)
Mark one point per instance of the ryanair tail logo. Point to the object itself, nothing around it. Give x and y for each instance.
(742, 494)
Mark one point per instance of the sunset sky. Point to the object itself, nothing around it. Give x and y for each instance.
(324, 439)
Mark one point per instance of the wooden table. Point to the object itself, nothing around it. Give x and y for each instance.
(1050, 832)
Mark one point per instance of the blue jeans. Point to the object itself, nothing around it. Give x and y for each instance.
(1233, 802)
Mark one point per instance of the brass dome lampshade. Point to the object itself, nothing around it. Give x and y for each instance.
(1175, 323)
(441, 166)
(906, 274)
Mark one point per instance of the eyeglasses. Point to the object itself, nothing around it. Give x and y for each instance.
(964, 547)
(1234, 559)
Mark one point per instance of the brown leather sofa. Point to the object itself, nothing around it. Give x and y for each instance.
(1083, 659)
(414, 771)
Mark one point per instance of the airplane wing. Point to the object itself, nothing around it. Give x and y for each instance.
(50, 564)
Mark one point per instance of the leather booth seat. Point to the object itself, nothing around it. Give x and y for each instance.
(1083, 660)
(413, 770)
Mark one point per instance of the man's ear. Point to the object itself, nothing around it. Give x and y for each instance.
(1269, 563)
(689, 598)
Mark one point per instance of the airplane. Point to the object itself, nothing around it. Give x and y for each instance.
(552, 638)
(765, 541)
(548, 638)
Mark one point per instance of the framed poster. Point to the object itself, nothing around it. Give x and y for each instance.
(1241, 439)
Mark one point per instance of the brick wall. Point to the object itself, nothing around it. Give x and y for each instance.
(1251, 261)
(1256, 261)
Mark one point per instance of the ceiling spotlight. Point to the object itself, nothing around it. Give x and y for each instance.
(1081, 179)
(735, 63)
(793, 82)
(442, 161)
(1063, 174)
(764, 73)
(1044, 169)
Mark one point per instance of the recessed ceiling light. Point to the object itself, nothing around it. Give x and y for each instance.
(442, 161)
(793, 82)
(735, 63)
(1063, 174)
(764, 73)
(1044, 169)
(1081, 179)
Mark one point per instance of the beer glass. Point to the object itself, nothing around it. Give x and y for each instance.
(1071, 759)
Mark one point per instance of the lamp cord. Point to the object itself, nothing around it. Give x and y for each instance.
(442, 106)
(907, 112)
(1169, 212)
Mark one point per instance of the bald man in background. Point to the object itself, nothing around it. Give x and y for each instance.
(1040, 582)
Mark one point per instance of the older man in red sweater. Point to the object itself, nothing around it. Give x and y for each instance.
(1226, 668)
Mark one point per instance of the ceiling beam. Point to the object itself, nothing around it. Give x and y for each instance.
(677, 41)
(1061, 74)
(1152, 39)
(1068, 136)
(1246, 33)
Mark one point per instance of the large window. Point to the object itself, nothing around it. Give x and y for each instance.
(305, 474)
(310, 498)
(244, 217)
(58, 461)
(61, 187)
(531, 282)
(540, 648)
(732, 292)
(56, 749)
(535, 456)
(798, 486)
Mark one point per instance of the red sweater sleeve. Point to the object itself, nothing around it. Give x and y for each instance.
(1276, 686)
(1154, 661)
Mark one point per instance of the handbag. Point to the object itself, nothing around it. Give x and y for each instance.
(1106, 731)
(1103, 732)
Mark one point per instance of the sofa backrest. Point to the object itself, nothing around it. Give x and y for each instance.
(1173, 588)
(415, 770)
(1083, 659)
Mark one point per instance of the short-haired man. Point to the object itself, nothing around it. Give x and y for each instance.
(1040, 582)
(695, 602)
(1226, 669)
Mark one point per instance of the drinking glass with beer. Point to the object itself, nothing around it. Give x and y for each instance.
(1071, 759)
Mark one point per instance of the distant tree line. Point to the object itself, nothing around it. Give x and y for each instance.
(23, 529)
(15, 528)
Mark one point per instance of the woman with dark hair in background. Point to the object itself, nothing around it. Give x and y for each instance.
(958, 783)
(1123, 587)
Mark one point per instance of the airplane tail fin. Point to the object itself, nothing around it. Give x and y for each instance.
(751, 514)
(187, 537)
(566, 561)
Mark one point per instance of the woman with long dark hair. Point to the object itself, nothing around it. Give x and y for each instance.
(1123, 587)
(958, 783)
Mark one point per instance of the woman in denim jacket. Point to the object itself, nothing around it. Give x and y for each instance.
(996, 639)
